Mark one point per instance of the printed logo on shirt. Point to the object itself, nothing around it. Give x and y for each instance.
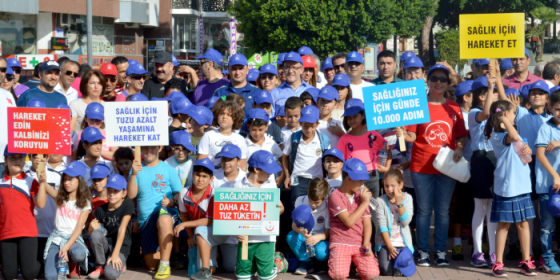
(318, 152)
(221, 144)
(437, 133)
(66, 212)
(320, 219)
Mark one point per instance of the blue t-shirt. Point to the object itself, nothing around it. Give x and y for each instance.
(528, 125)
(549, 132)
(476, 130)
(248, 92)
(511, 177)
(51, 99)
(153, 183)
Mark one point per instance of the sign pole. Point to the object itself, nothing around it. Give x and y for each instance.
(493, 64)
(137, 155)
(402, 144)
(245, 248)
(41, 165)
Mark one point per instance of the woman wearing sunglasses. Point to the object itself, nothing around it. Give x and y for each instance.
(8, 83)
(434, 189)
(268, 77)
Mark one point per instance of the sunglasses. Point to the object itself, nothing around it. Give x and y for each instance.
(138, 77)
(3, 69)
(267, 77)
(442, 80)
(336, 67)
(29, 40)
(17, 71)
(111, 79)
(70, 73)
(9, 78)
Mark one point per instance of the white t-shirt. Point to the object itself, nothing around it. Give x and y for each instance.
(78, 108)
(324, 128)
(244, 183)
(212, 142)
(184, 170)
(268, 145)
(101, 160)
(287, 133)
(220, 180)
(6, 100)
(357, 89)
(321, 214)
(334, 183)
(71, 94)
(67, 217)
(308, 162)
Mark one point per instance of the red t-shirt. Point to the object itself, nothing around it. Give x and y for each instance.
(16, 206)
(363, 147)
(445, 126)
(340, 233)
(203, 208)
(96, 202)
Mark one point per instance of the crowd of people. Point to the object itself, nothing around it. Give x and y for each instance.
(351, 200)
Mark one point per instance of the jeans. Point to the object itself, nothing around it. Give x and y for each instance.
(386, 265)
(76, 253)
(547, 225)
(300, 188)
(297, 244)
(433, 192)
(101, 248)
(373, 186)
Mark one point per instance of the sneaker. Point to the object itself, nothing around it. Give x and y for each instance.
(477, 260)
(457, 254)
(441, 259)
(528, 268)
(74, 272)
(163, 272)
(97, 273)
(203, 274)
(397, 272)
(541, 263)
(498, 270)
(423, 259)
(513, 254)
(521, 261)
(302, 269)
(492, 260)
(551, 267)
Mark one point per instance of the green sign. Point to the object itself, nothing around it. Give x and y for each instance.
(258, 60)
(247, 211)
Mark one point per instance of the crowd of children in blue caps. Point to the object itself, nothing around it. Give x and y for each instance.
(102, 210)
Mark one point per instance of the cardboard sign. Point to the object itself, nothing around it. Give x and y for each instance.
(492, 35)
(247, 211)
(98, 61)
(39, 131)
(396, 104)
(136, 123)
(29, 61)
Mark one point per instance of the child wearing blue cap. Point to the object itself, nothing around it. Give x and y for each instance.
(263, 100)
(99, 175)
(280, 118)
(94, 117)
(230, 173)
(341, 82)
(111, 229)
(311, 226)
(89, 151)
(309, 96)
(351, 226)
(327, 100)
(303, 154)
(201, 119)
(261, 248)
(333, 160)
(547, 178)
(292, 110)
(181, 145)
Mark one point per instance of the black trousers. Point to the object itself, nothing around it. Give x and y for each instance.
(20, 250)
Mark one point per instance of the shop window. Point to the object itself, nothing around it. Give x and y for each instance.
(185, 33)
(18, 33)
(75, 30)
(217, 35)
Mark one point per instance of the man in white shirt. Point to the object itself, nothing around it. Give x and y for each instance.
(68, 73)
(551, 74)
(354, 68)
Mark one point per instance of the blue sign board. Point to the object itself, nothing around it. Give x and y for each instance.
(396, 104)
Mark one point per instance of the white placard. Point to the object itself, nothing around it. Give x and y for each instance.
(141, 123)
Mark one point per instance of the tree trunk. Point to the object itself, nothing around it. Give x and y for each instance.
(424, 42)
(554, 30)
(540, 48)
(395, 45)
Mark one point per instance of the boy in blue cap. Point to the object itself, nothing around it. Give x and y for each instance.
(351, 225)
(201, 119)
(327, 100)
(333, 160)
(303, 153)
(111, 230)
(49, 74)
(506, 67)
(261, 248)
(230, 173)
(263, 100)
(181, 145)
(328, 70)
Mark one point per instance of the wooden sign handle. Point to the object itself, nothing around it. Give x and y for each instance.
(41, 165)
(402, 143)
(493, 63)
(245, 248)
(137, 154)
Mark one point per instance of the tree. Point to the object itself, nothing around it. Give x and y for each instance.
(325, 26)
(425, 46)
(448, 44)
(545, 15)
(409, 13)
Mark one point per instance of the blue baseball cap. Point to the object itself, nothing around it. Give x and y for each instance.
(132, 62)
(553, 202)
(354, 57)
(341, 79)
(527, 52)
(264, 160)
(174, 61)
(293, 56)
(463, 88)
(305, 50)
(225, 72)
(302, 218)
(100, 171)
(6, 153)
(513, 91)
(407, 55)
(212, 55)
(263, 96)
(475, 61)
(309, 114)
(258, 113)
(117, 182)
(205, 162)
(314, 93)
(237, 59)
(9, 71)
(212, 101)
(75, 169)
(524, 90)
(553, 89)
(540, 85)
(484, 61)
(356, 169)
(139, 97)
(180, 106)
(229, 151)
(12, 62)
(136, 69)
(183, 138)
(201, 114)
(413, 62)
(91, 134)
(327, 64)
(328, 93)
(480, 82)
(95, 111)
(405, 262)
(253, 75)
(506, 64)
(35, 103)
(49, 65)
(335, 153)
(280, 59)
(280, 111)
(64, 106)
(268, 69)
(353, 107)
(438, 67)
(172, 96)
